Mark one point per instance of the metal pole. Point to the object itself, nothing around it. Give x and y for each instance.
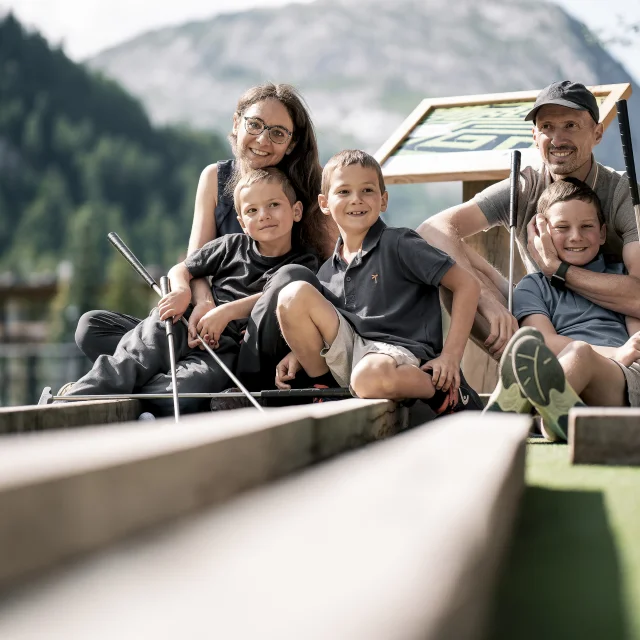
(164, 289)
(513, 216)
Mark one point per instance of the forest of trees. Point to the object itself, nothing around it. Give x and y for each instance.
(79, 158)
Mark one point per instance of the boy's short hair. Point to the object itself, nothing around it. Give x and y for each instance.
(566, 190)
(268, 174)
(345, 159)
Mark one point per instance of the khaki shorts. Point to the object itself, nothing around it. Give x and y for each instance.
(349, 348)
(632, 376)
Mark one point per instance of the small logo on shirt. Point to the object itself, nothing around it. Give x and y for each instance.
(374, 277)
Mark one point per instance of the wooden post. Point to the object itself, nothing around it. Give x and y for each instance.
(480, 369)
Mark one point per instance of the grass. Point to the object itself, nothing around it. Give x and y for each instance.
(574, 567)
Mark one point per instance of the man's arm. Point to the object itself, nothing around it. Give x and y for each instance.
(617, 292)
(620, 293)
(446, 231)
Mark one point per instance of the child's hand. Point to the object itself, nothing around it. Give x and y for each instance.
(174, 304)
(212, 324)
(445, 372)
(629, 352)
(198, 312)
(286, 370)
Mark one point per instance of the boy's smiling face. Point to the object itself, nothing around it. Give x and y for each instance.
(355, 200)
(266, 213)
(576, 231)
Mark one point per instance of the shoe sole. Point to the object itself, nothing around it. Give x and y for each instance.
(507, 396)
(542, 380)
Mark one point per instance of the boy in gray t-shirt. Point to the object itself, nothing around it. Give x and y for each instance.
(596, 360)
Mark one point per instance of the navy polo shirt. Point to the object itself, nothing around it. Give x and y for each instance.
(389, 292)
(571, 314)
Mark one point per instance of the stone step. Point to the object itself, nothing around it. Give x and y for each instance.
(402, 539)
(605, 435)
(68, 492)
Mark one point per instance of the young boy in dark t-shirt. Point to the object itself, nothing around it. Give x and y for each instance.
(374, 319)
(570, 351)
(240, 265)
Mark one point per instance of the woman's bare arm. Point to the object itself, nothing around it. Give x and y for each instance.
(203, 230)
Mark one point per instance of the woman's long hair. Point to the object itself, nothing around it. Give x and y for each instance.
(302, 165)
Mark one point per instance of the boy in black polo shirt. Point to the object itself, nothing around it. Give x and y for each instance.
(240, 265)
(378, 297)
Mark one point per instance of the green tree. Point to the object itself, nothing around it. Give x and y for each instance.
(87, 240)
(40, 234)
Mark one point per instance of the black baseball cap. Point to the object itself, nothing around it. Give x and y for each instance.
(567, 94)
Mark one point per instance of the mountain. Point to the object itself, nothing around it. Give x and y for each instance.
(362, 65)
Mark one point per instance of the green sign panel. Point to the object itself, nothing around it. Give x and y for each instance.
(487, 127)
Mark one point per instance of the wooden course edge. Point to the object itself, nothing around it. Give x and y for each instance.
(402, 539)
(28, 418)
(68, 492)
(605, 435)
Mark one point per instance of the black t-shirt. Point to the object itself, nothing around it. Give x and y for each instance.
(238, 270)
(389, 292)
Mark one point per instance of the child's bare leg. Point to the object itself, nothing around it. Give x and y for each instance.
(307, 321)
(597, 380)
(378, 376)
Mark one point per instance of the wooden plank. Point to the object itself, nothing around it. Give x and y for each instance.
(65, 493)
(399, 135)
(605, 435)
(614, 92)
(399, 540)
(58, 416)
(447, 167)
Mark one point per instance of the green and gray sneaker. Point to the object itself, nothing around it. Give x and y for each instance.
(507, 396)
(542, 380)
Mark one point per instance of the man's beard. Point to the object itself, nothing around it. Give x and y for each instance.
(565, 168)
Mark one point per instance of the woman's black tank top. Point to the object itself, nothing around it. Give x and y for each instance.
(225, 213)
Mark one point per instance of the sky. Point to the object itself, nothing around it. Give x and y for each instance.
(85, 27)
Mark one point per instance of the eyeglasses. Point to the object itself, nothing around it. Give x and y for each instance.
(277, 134)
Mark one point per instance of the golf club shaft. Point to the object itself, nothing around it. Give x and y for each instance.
(513, 216)
(164, 290)
(146, 276)
(271, 393)
(629, 162)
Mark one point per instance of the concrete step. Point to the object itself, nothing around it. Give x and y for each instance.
(68, 492)
(402, 539)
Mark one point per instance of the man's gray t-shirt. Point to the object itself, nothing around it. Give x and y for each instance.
(612, 189)
(572, 315)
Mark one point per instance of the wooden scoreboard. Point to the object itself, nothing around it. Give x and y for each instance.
(470, 139)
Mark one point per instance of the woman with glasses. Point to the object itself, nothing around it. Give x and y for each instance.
(271, 127)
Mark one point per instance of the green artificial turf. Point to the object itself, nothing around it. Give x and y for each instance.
(574, 567)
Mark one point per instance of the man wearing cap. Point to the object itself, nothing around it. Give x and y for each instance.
(566, 128)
